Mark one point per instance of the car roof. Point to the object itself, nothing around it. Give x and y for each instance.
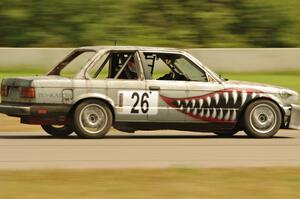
(141, 48)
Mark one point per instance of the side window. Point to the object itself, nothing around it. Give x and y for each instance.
(73, 63)
(157, 65)
(116, 65)
(100, 68)
(167, 66)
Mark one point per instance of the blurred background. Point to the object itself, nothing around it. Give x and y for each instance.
(176, 23)
(250, 40)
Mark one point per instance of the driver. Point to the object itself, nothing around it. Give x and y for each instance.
(170, 75)
(174, 74)
(132, 69)
(168, 61)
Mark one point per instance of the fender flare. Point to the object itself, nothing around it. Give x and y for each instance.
(98, 96)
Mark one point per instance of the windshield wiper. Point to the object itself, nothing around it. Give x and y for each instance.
(222, 78)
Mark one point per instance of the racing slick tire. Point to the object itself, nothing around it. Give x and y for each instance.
(58, 131)
(262, 119)
(92, 119)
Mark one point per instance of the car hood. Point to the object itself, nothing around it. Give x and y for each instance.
(283, 95)
(253, 85)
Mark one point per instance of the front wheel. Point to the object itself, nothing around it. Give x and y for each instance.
(262, 119)
(58, 131)
(92, 119)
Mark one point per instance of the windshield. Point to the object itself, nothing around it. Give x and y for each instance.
(193, 72)
(219, 75)
(173, 66)
(212, 73)
(73, 63)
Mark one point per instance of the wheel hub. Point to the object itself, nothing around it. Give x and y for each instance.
(93, 118)
(263, 118)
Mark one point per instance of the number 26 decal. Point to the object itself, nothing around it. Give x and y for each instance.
(144, 104)
(138, 102)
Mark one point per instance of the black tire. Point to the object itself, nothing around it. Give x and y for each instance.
(229, 133)
(97, 119)
(59, 131)
(262, 119)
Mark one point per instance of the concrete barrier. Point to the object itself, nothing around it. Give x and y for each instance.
(229, 59)
(249, 59)
(41, 59)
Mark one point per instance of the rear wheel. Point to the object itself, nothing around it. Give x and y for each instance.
(58, 130)
(92, 119)
(262, 119)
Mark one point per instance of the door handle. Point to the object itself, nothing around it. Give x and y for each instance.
(154, 88)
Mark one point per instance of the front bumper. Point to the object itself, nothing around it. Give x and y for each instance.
(295, 117)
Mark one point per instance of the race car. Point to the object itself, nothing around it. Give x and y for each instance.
(145, 88)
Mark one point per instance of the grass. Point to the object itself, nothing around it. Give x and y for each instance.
(254, 183)
(14, 74)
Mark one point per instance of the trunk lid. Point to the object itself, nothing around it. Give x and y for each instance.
(26, 81)
(14, 85)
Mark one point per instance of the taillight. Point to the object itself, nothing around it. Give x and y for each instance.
(27, 92)
(4, 91)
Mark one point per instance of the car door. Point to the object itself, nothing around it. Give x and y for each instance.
(192, 96)
(124, 86)
(164, 89)
(130, 94)
(203, 103)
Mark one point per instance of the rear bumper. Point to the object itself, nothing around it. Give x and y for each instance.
(15, 110)
(40, 110)
(295, 117)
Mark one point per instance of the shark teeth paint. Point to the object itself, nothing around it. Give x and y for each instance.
(220, 117)
(244, 97)
(221, 106)
(217, 97)
(208, 100)
(226, 96)
(227, 116)
(233, 115)
(234, 96)
(214, 113)
(200, 103)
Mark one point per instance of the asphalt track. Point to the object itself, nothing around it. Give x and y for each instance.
(161, 149)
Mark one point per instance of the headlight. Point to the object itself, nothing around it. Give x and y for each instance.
(289, 96)
(285, 93)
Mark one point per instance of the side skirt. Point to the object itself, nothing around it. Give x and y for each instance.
(207, 127)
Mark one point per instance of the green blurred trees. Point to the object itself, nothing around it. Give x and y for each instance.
(189, 23)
